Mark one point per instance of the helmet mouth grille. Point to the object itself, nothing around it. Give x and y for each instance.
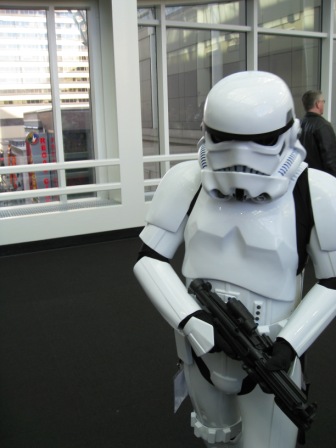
(240, 195)
(240, 169)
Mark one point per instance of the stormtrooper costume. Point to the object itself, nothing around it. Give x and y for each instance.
(250, 212)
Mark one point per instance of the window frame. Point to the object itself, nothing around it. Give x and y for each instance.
(99, 141)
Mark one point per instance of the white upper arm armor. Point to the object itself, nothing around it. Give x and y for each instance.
(322, 245)
(318, 308)
(323, 198)
(166, 217)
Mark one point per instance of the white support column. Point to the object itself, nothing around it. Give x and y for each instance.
(128, 136)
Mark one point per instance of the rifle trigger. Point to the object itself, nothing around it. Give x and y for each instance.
(248, 384)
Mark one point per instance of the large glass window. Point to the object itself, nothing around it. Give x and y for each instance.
(294, 59)
(290, 14)
(25, 86)
(229, 12)
(46, 112)
(196, 60)
(74, 89)
(190, 47)
(149, 98)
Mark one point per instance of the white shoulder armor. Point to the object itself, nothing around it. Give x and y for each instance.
(174, 195)
(167, 215)
(323, 198)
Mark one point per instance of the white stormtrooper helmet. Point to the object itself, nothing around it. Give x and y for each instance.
(250, 148)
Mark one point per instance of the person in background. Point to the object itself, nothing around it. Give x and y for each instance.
(317, 135)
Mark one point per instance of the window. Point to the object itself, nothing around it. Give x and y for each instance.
(47, 110)
(290, 14)
(72, 99)
(179, 63)
(295, 60)
(186, 48)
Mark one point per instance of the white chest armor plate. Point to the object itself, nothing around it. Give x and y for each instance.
(241, 246)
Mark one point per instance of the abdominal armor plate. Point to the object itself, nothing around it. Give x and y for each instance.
(250, 245)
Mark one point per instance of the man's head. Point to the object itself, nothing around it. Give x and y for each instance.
(313, 101)
(250, 148)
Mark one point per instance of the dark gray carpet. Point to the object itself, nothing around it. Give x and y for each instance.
(86, 361)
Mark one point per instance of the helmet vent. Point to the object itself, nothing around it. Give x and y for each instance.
(202, 156)
(288, 163)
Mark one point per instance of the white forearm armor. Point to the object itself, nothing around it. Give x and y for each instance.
(163, 234)
(169, 295)
(311, 317)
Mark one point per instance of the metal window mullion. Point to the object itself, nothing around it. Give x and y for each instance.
(59, 191)
(327, 54)
(252, 35)
(148, 22)
(96, 83)
(207, 26)
(154, 83)
(170, 157)
(293, 33)
(96, 94)
(38, 167)
(162, 75)
(56, 102)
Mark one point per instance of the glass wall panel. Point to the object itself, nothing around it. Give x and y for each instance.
(27, 98)
(152, 170)
(296, 60)
(229, 12)
(148, 89)
(198, 57)
(146, 13)
(196, 60)
(74, 87)
(290, 14)
(25, 85)
(333, 91)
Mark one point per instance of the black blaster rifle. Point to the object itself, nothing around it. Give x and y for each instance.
(240, 340)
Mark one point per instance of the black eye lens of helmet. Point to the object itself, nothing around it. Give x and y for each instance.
(267, 139)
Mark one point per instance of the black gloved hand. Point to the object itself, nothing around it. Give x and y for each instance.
(281, 357)
(200, 314)
(220, 343)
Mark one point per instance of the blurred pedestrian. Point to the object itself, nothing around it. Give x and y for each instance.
(318, 136)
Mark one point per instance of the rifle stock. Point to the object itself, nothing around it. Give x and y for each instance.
(238, 329)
